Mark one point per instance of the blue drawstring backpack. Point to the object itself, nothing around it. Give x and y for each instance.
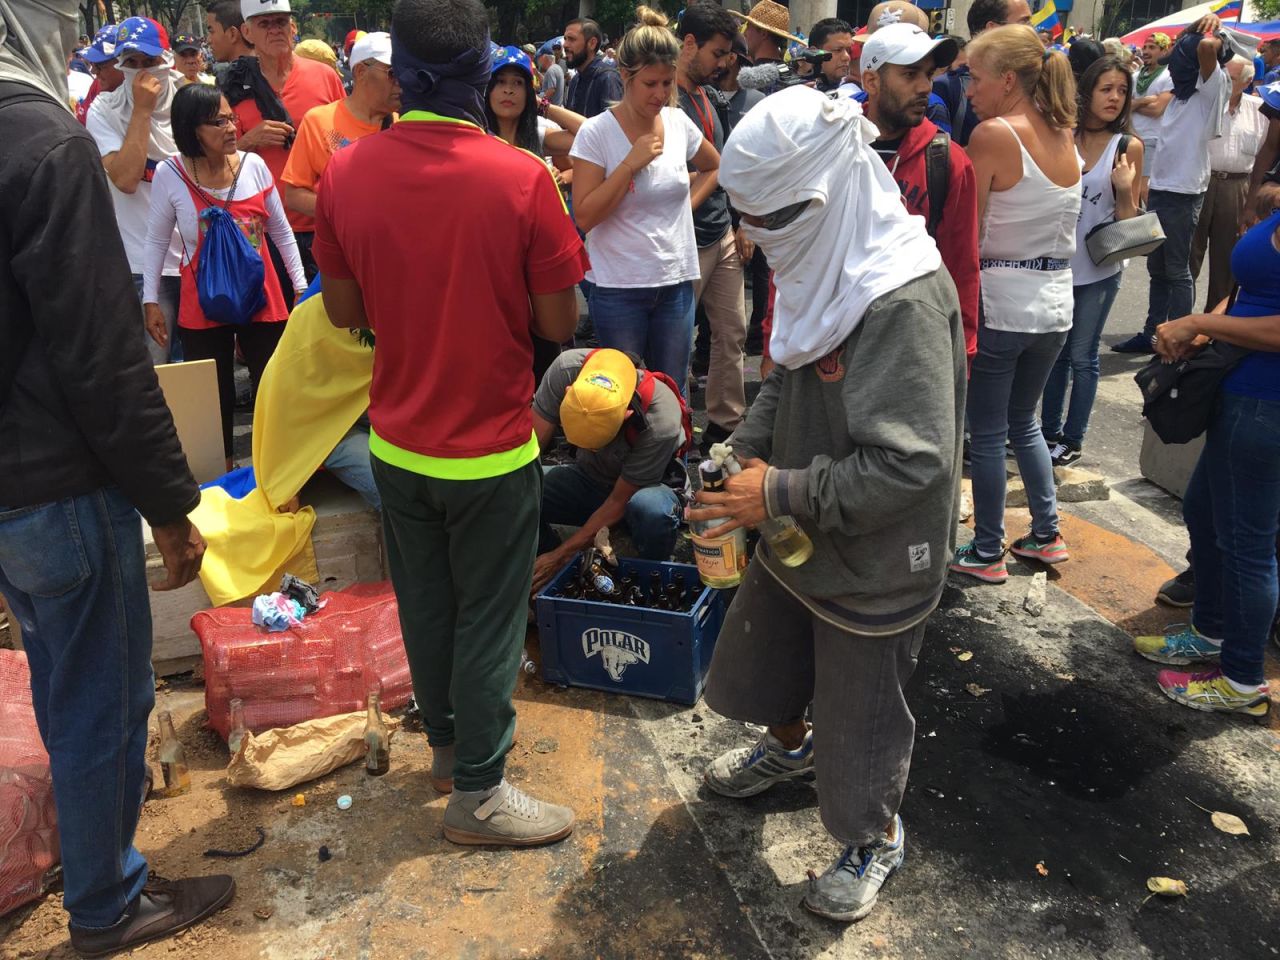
(229, 271)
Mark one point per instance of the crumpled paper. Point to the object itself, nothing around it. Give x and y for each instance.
(284, 757)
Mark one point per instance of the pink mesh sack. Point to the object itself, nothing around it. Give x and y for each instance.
(28, 819)
(323, 666)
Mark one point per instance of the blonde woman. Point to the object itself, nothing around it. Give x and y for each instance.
(1028, 173)
(633, 198)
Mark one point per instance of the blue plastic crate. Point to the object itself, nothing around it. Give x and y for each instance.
(636, 650)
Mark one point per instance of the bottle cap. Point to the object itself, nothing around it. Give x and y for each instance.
(711, 472)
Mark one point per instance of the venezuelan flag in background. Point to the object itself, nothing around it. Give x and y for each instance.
(1046, 18)
(1228, 8)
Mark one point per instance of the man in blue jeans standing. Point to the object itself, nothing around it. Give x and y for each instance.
(86, 444)
(1180, 173)
(628, 426)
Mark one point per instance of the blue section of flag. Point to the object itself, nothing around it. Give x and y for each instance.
(1228, 8)
(1046, 18)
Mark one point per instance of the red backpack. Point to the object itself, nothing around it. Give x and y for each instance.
(646, 380)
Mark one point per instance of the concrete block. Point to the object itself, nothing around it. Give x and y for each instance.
(1015, 493)
(1077, 486)
(1168, 465)
(1037, 592)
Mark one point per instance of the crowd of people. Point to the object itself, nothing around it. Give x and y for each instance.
(913, 215)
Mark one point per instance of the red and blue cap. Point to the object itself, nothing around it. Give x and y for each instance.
(141, 35)
(510, 57)
(103, 47)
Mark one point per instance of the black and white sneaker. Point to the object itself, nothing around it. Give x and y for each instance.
(746, 771)
(1063, 454)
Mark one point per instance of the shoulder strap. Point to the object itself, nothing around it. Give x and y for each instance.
(1121, 148)
(937, 176)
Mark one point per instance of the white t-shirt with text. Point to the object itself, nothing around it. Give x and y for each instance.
(647, 241)
(1181, 163)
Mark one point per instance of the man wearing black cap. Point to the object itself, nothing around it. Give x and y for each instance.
(188, 59)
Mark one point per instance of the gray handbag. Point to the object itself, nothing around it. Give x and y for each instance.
(1114, 241)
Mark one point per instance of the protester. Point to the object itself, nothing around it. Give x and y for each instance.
(835, 37)
(553, 78)
(319, 51)
(766, 31)
(740, 100)
(225, 33)
(1232, 503)
(1109, 188)
(326, 129)
(1153, 91)
(706, 33)
(1269, 54)
(188, 59)
(89, 445)
(1028, 203)
(596, 86)
(618, 473)
(867, 468)
(633, 198)
(210, 171)
(1180, 175)
(1231, 158)
(517, 115)
(131, 127)
(898, 62)
(1083, 54)
(101, 57)
(953, 88)
(457, 470)
(270, 93)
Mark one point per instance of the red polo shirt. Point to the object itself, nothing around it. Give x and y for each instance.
(309, 84)
(448, 231)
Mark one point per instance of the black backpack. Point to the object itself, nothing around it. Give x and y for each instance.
(937, 177)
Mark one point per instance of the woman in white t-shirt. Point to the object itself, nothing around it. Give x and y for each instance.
(633, 198)
(1109, 187)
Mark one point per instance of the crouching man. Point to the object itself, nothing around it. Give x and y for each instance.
(856, 434)
(628, 425)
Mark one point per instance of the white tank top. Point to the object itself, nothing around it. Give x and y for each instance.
(1097, 205)
(1029, 231)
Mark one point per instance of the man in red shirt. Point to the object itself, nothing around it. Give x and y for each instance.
(898, 63)
(454, 452)
(270, 93)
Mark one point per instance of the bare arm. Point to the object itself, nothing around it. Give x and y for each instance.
(608, 513)
(300, 200)
(127, 165)
(707, 162)
(1261, 164)
(1154, 105)
(1207, 55)
(344, 302)
(984, 153)
(555, 315)
(596, 196)
(1252, 333)
(565, 118)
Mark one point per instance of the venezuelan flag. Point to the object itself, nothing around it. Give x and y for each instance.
(1228, 8)
(1046, 18)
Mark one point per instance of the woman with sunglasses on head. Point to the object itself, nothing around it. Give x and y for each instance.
(209, 171)
(1109, 188)
(633, 198)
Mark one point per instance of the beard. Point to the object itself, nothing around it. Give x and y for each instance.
(577, 60)
(899, 115)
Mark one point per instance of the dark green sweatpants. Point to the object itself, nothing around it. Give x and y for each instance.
(461, 555)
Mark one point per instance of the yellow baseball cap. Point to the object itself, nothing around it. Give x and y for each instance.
(596, 403)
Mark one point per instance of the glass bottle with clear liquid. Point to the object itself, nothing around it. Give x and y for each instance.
(173, 759)
(377, 739)
(238, 729)
(789, 543)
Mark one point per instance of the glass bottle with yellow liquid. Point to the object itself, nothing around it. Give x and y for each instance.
(789, 543)
(173, 759)
(721, 557)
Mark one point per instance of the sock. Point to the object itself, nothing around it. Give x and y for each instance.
(1243, 687)
(442, 762)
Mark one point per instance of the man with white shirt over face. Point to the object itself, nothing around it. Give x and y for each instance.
(1180, 172)
(1230, 161)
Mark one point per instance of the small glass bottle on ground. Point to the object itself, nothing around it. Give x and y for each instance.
(377, 739)
(238, 729)
(173, 759)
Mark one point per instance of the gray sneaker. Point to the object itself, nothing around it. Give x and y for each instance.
(849, 888)
(746, 771)
(504, 817)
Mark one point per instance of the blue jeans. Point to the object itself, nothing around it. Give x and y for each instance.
(1078, 362)
(570, 497)
(73, 573)
(349, 462)
(1005, 385)
(1232, 510)
(654, 323)
(1173, 289)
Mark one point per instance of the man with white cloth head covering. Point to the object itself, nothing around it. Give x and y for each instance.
(89, 444)
(131, 127)
(857, 435)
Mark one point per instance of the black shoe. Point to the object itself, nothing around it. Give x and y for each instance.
(163, 908)
(713, 434)
(1180, 591)
(1063, 454)
(1138, 343)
